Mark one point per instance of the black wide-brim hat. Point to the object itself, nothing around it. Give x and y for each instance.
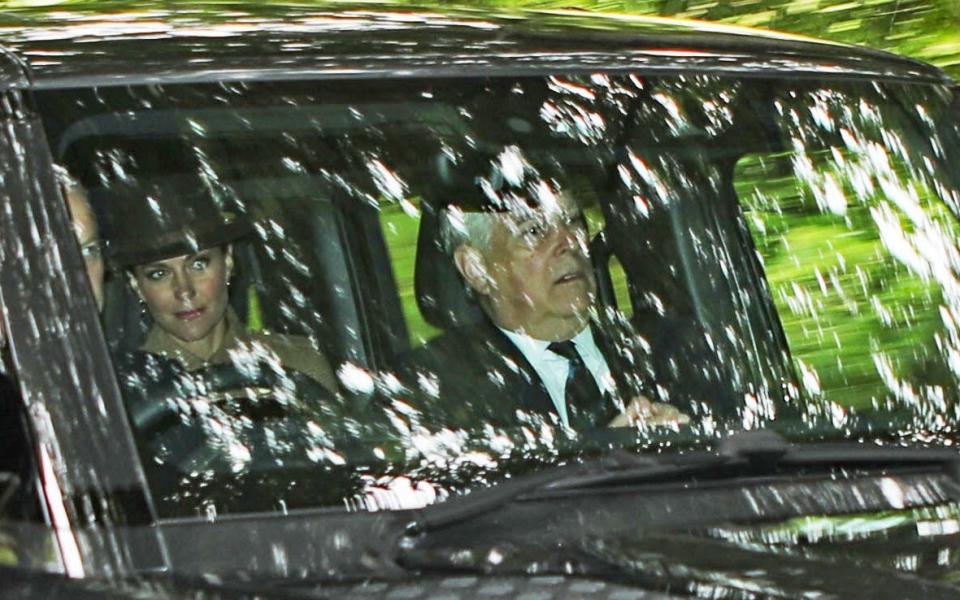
(162, 218)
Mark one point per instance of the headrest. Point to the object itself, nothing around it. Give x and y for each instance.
(498, 179)
(442, 296)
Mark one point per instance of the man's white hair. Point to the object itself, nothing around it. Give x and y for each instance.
(458, 227)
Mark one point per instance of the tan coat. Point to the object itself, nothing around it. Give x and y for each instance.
(293, 351)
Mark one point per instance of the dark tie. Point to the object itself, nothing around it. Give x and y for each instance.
(583, 397)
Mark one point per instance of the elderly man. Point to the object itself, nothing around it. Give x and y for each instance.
(546, 349)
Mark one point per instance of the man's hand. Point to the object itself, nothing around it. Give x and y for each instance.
(641, 411)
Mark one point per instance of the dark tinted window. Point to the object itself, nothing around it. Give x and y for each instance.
(763, 253)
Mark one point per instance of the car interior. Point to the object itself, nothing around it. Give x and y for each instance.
(346, 196)
(320, 263)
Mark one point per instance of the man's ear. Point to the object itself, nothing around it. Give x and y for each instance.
(473, 269)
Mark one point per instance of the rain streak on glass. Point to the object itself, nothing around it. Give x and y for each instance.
(761, 254)
(856, 232)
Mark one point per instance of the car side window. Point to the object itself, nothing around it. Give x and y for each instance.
(401, 226)
(857, 249)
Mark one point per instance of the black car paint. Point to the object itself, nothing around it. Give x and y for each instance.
(248, 41)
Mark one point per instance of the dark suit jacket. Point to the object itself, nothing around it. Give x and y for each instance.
(473, 375)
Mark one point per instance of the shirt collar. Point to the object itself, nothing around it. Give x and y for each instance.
(537, 349)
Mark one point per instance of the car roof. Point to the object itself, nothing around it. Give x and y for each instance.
(120, 43)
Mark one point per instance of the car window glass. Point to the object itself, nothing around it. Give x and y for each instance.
(704, 198)
(858, 248)
(400, 222)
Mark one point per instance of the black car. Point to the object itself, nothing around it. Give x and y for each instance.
(345, 387)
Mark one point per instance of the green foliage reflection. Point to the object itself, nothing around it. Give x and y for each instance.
(864, 329)
(924, 29)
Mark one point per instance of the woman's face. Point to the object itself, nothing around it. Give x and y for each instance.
(186, 295)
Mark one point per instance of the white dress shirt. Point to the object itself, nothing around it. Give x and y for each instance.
(553, 368)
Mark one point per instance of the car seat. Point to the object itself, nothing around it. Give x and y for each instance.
(442, 297)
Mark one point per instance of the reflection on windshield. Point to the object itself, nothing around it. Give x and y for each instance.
(378, 305)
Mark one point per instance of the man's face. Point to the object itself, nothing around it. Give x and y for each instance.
(88, 236)
(539, 280)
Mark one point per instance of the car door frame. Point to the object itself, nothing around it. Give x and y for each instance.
(90, 480)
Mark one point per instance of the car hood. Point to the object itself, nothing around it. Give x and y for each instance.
(614, 545)
(823, 522)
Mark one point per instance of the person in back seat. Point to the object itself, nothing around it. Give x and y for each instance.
(87, 231)
(175, 245)
(15, 451)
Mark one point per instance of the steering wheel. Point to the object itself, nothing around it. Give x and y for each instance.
(159, 394)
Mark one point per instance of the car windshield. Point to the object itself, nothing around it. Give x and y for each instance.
(362, 293)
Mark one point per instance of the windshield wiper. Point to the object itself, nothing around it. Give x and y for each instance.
(742, 455)
(617, 466)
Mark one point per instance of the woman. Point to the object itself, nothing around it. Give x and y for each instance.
(176, 247)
